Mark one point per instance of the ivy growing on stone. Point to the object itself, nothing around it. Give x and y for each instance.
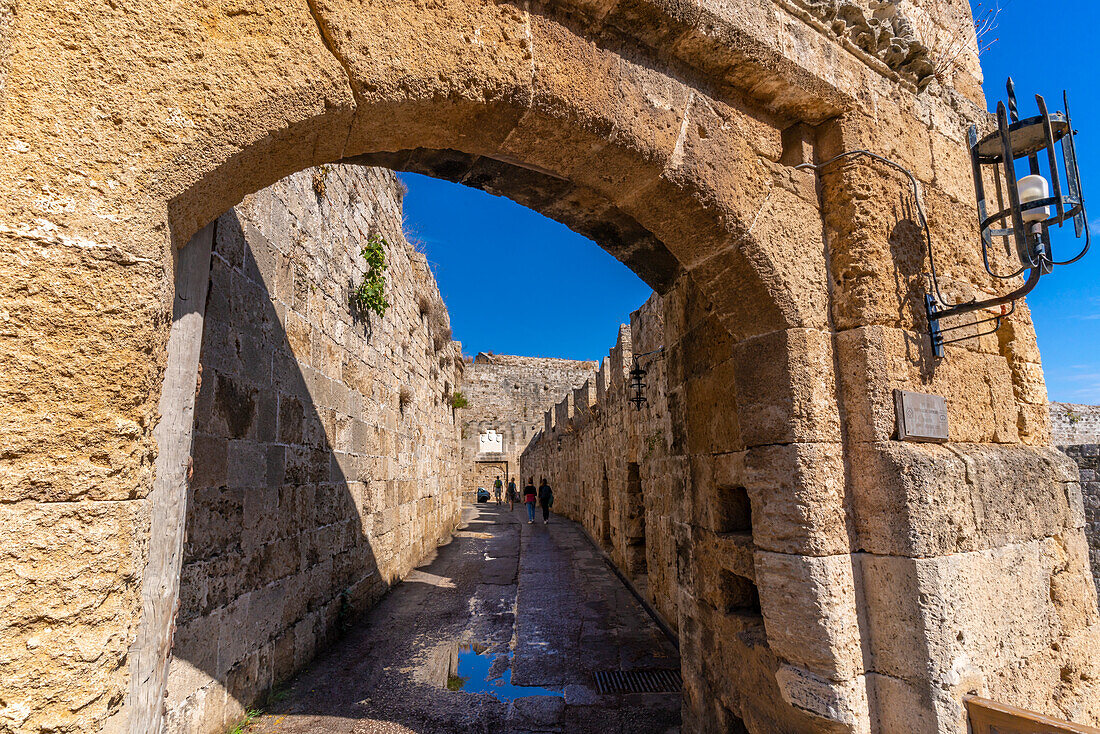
(370, 295)
(458, 400)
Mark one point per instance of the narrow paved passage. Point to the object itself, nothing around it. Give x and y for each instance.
(503, 631)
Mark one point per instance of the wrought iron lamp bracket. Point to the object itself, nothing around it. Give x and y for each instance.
(1026, 223)
(637, 375)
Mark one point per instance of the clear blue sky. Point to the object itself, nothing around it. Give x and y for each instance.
(518, 283)
(514, 281)
(1047, 47)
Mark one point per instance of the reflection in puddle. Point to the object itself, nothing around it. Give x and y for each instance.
(474, 669)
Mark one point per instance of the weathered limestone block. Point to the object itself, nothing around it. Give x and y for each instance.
(929, 500)
(785, 388)
(876, 360)
(809, 606)
(62, 613)
(1070, 664)
(65, 295)
(935, 636)
(901, 705)
(797, 493)
(709, 397)
(842, 706)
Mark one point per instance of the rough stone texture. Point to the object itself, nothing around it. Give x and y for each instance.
(509, 394)
(1075, 429)
(1073, 424)
(668, 132)
(720, 533)
(690, 512)
(314, 487)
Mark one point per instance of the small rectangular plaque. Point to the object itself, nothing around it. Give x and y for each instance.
(920, 417)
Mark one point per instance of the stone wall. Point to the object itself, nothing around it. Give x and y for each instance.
(661, 490)
(702, 515)
(1076, 431)
(893, 578)
(1073, 424)
(317, 481)
(509, 394)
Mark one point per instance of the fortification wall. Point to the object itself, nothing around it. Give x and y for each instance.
(1076, 430)
(664, 496)
(325, 449)
(1073, 424)
(509, 394)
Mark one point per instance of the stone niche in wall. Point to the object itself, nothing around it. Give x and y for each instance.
(325, 450)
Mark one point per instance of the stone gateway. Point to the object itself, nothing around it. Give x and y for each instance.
(822, 576)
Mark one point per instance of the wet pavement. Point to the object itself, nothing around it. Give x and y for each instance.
(503, 631)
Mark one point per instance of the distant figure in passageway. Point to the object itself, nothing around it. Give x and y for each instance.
(546, 499)
(513, 495)
(529, 499)
(498, 487)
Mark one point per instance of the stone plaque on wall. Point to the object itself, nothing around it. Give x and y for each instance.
(921, 417)
(490, 442)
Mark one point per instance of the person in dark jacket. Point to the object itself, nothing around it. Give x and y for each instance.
(546, 499)
(529, 499)
(513, 495)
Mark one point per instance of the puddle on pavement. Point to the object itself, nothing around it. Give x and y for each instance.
(474, 669)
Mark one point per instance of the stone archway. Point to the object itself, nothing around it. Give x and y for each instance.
(670, 135)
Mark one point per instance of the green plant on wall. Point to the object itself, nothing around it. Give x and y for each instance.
(370, 295)
(458, 400)
(652, 442)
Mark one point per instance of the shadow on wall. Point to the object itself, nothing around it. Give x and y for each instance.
(296, 493)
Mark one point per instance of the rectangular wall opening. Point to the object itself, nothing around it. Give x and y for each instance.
(738, 595)
(733, 513)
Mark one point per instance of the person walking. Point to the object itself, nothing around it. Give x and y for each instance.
(529, 499)
(513, 495)
(498, 487)
(546, 499)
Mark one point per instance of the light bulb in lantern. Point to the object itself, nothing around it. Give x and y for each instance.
(1033, 188)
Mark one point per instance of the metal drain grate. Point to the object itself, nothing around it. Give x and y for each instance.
(638, 681)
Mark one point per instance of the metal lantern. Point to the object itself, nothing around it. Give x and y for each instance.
(1025, 209)
(637, 386)
(637, 378)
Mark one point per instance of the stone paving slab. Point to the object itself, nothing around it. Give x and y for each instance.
(537, 597)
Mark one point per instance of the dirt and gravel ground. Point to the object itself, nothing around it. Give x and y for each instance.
(533, 602)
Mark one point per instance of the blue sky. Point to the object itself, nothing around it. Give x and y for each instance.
(514, 281)
(1047, 47)
(518, 283)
